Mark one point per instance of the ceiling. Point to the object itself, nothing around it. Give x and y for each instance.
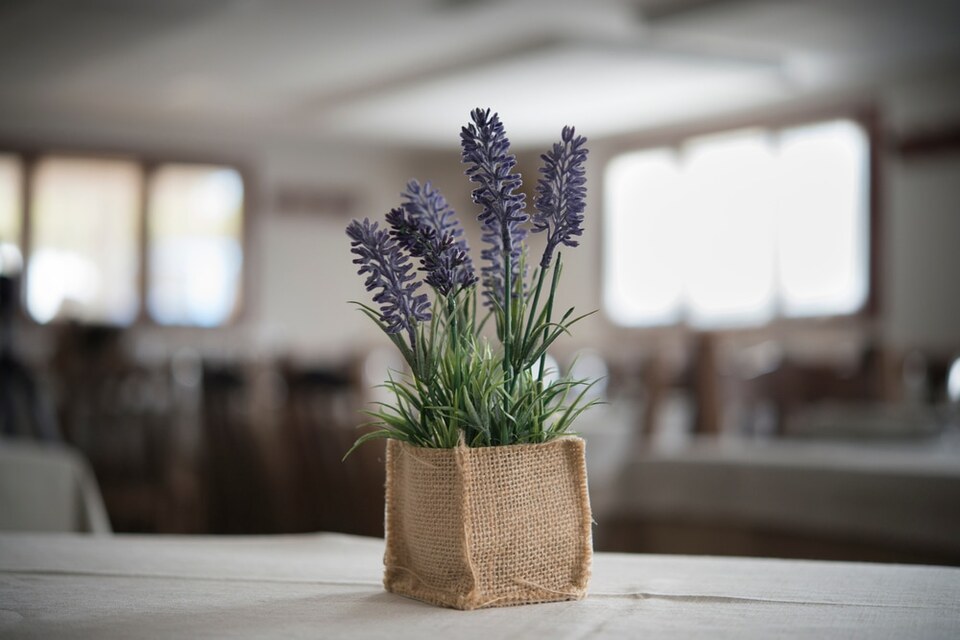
(407, 72)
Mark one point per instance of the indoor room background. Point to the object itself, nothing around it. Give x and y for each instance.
(772, 246)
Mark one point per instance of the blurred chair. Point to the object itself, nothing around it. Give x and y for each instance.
(25, 406)
(126, 417)
(320, 421)
(238, 492)
(49, 488)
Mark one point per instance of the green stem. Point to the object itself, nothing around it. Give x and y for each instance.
(546, 329)
(508, 372)
(507, 316)
(533, 309)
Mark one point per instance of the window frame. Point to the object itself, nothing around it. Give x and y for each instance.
(147, 164)
(673, 138)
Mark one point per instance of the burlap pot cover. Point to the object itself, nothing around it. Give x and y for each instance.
(488, 526)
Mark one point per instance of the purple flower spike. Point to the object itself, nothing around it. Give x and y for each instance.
(561, 194)
(380, 256)
(486, 151)
(441, 258)
(428, 205)
(445, 248)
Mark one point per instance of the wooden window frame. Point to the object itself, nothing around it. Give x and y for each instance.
(865, 115)
(147, 164)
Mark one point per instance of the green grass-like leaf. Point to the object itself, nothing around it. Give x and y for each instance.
(459, 388)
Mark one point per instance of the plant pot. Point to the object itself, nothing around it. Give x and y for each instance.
(488, 526)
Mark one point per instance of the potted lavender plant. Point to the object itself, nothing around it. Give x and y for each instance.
(486, 492)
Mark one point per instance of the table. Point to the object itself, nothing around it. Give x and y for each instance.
(328, 585)
(901, 498)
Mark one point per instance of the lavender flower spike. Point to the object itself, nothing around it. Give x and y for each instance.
(561, 193)
(486, 151)
(427, 204)
(441, 258)
(428, 211)
(389, 269)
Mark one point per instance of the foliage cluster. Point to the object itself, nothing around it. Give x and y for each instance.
(460, 388)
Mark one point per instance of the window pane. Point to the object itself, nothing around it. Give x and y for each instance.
(729, 190)
(11, 214)
(84, 242)
(11, 174)
(740, 226)
(195, 236)
(644, 239)
(823, 260)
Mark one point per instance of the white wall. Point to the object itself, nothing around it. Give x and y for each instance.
(923, 244)
(298, 264)
(922, 220)
(306, 279)
(301, 268)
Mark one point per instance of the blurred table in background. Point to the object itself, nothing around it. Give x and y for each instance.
(866, 501)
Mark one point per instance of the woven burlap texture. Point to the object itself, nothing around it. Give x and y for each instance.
(488, 526)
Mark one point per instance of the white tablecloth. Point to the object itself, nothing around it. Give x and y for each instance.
(898, 496)
(326, 585)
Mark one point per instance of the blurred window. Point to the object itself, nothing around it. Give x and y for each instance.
(85, 235)
(738, 228)
(11, 202)
(11, 212)
(89, 225)
(194, 224)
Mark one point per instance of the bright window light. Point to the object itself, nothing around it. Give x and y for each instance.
(195, 224)
(823, 255)
(85, 232)
(727, 198)
(646, 255)
(11, 205)
(733, 229)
